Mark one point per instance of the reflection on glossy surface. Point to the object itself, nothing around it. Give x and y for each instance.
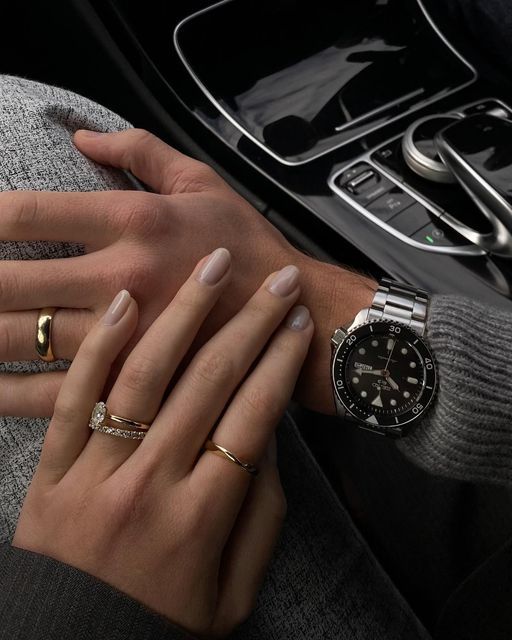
(485, 142)
(346, 67)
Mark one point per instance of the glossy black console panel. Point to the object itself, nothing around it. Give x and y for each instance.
(296, 197)
(301, 78)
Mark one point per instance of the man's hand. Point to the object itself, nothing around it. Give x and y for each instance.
(148, 243)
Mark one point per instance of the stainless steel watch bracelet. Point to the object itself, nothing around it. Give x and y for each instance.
(400, 303)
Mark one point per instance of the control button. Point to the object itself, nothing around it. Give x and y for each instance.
(412, 219)
(391, 204)
(363, 183)
(439, 235)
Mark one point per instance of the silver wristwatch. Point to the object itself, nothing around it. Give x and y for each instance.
(383, 372)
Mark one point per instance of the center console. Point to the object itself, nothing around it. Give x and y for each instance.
(344, 122)
(341, 105)
(403, 187)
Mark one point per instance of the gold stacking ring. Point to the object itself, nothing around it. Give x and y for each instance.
(130, 429)
(44, 334)
(213, 447)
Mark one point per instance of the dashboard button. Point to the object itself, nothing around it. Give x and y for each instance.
(412, 219)
(391, 204)
(439, 235)
(364, 183)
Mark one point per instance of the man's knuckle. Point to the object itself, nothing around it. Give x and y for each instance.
(143, 217)
(196, 177)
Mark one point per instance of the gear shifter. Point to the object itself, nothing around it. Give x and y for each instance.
(478, 151)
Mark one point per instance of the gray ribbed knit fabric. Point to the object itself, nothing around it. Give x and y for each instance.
(36, 153)
(468, 434)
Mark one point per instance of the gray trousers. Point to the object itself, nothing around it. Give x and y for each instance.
(324, 581)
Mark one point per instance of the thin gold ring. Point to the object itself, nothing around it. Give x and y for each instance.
(44, 334)
(215, 448)
(130, 428)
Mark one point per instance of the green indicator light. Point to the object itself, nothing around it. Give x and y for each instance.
(431, 240)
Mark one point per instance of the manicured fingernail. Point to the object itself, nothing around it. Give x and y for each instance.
(284, 282)
(215, 267)
(90, 134)
(298, 318)
(118, 308)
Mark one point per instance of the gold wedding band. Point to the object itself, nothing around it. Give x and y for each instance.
(44, 334)
(132, 429)
(215, 448)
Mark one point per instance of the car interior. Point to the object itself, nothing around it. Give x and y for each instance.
(374, 134)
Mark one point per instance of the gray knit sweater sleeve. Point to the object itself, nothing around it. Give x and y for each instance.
(468, 434)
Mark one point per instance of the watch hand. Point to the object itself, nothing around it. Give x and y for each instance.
(373, 372)
(390, 354)
(393, 384)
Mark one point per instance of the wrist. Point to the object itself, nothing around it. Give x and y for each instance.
(334, 296)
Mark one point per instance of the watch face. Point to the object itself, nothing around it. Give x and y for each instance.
(384, 374)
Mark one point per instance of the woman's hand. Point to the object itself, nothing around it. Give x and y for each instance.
(186, 532)
(147, 243)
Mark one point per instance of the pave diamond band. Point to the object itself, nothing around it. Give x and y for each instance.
(132, 430)
(121, 433)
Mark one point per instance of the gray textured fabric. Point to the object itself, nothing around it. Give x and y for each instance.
(468, 435)
(36, 153)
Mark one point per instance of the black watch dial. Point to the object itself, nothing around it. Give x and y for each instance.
(384, 374)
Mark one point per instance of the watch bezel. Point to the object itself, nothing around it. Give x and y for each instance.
(343, 351)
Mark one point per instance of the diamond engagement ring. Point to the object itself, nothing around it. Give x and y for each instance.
(130, 428)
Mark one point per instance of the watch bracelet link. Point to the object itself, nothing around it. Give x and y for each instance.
(400, 303)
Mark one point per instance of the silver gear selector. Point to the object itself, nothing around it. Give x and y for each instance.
(478, 152)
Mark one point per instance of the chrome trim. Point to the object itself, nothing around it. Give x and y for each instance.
(260, 144)
(466, 250)
(420, 163)
(498, 243)
(405, 98)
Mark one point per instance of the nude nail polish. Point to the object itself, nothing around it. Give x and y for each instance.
(215, 268)
(117, 309)
(298, 318)
(284, 282)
